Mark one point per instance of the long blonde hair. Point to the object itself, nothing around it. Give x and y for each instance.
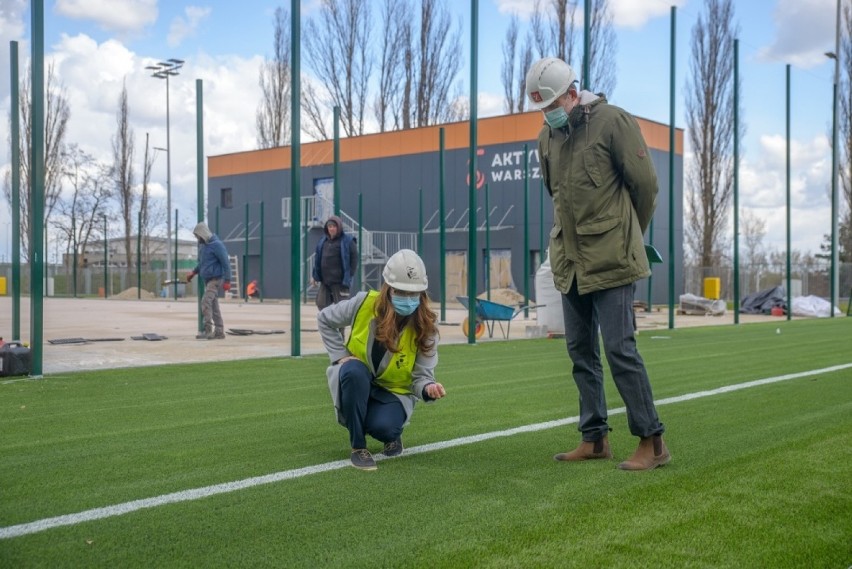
(389, 324)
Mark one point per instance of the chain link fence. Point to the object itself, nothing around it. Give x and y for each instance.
(805, 280)
(813, 279)
(121, 282)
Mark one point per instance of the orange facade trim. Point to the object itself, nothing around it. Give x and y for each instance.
(520, 127)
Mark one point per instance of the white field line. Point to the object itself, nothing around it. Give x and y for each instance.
(198, 493)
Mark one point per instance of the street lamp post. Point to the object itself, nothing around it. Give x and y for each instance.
(106, 258)
(164, 70)
(834, 273)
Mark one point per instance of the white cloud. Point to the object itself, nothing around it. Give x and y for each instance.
(763, 189)
(184, 27)
(763, 180)
(12, 18)
(523, 8)
(115, 15)
(632, 14)
(626, 13)
(489, 105)
(12, 28)
(93, 74)
(804, 31)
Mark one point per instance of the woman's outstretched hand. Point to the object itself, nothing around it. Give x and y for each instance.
(435, 390)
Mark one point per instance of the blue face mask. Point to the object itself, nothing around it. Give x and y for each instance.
(405, 305)
(557, 118)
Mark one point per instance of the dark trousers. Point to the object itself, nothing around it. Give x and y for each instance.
(210, 305)
(368, 409)
(328, 294)
(608, 313)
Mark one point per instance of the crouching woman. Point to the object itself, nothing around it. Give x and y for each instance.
(389, 360)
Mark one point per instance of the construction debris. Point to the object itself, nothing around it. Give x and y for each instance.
(151, 337)
(83, 340)
(247, 332)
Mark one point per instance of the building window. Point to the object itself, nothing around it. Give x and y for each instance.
(226, 198)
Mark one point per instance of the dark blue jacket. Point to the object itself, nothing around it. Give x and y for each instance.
(213, 260)
(347, 242)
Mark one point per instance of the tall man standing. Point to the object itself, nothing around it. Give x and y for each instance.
(215, 269)
(335, 263)
(596, 168)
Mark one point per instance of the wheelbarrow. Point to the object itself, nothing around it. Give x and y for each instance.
(488, 314)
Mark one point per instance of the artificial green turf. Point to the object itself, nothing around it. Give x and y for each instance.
(760, 477)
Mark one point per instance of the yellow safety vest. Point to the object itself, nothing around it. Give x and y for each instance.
(396, 377)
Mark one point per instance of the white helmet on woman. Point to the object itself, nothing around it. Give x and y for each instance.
(405, 271)
(547, 79)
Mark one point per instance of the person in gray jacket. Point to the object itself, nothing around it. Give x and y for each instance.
(596, 167)
(215, 269)
(389, 360)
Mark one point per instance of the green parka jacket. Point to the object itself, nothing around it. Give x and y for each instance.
(604, 189)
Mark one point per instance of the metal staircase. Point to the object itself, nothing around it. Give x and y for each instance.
(376, 246)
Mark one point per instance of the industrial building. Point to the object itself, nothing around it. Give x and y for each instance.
(390, 196)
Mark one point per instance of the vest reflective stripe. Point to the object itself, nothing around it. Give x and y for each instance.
(397, 376)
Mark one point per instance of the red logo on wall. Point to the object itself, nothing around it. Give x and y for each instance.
(480, 177)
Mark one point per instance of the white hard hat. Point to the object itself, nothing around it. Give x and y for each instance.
(547, 79)
(405, 271)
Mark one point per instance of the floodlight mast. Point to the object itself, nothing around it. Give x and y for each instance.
(164, 70)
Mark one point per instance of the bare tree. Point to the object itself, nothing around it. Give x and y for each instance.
(845, 136)
(406, 110)
(753, 230)
(553, 33)
(562, 28)
(392, 52)
(56, 114)
(88, 193)
(273, 113)
(602, 47)
(709, 118)
(317, 110)
(122, 170)
(553, 28)
(514, 78)
(66, 223)
(417, 73)
(99, 187)
(537, 30)
(337, 47)
(437, 64)
(507, 72)
(524, 63)
(145, 226)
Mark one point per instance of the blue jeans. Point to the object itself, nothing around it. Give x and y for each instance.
(608, 313)
(367, 408)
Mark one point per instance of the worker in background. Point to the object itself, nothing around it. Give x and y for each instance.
(252, 290)
(335, 263)
(215, 270)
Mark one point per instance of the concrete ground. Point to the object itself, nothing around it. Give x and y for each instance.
(177, 320)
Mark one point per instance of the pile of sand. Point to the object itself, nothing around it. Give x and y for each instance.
(506, 296)
(132, 293)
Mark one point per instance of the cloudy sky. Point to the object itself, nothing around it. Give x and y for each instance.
(97, 45)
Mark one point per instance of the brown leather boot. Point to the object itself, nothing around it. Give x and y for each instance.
(652, 452)
(588, 450)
